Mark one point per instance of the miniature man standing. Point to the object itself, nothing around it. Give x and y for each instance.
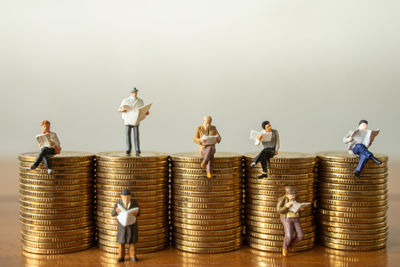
(360, 149)
(49, 145)
(126, 234)
(206, 151)
(131, 104)
(271, 148)
(289, 219)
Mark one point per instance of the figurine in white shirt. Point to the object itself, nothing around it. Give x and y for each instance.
(49, 145)
(131, 105)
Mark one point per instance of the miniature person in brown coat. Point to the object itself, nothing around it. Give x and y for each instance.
(128, 234)
(206, 151)
(290, 220)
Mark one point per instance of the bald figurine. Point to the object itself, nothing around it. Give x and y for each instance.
(206, 150)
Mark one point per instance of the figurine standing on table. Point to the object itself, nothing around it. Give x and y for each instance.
(359, 141)
(49, 145)
(270, 140)
(126, 234)
(206, 136)
(289, 210)
(130, 112)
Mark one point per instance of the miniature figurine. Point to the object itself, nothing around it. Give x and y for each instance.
(133, 111)
(359, 141)
(289, 210)
(127, 234)
(270, 140)
(206, 136)
(49, 145)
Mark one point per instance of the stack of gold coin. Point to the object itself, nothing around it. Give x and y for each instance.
(206, 212)
(146, 176)
(351, 210)
(56, 210)
(264, 229)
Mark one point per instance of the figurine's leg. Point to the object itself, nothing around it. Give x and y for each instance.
(136, 137)
(39, 158)
(48, 152)
(288, 228)
(210, 161)
(128, 129)
(121, 252)
(132, 252)
(299, 231)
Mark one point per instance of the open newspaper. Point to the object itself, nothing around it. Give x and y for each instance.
(365, 137)
(135, 116)
(45, 139)
(209, 139)
(296, 206)
(125, 217)
(266, 136)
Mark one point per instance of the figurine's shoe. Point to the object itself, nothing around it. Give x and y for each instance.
(284, 252)
(377, 161)
(203, 164)
(252, 165)
(128, 153)
(33, 167)
(209, 175)
(49, 171)
(357, 174)
(134, 259)
(137, 154)
(120, 259)
(264, 175)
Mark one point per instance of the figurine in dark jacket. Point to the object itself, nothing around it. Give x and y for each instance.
(126, 234)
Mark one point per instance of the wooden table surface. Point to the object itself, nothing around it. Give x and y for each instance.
(12, 255)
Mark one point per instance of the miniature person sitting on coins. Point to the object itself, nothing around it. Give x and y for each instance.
(132, 103)
(289, 219)
(271, 148)
(207, 148)
(357, 147)
(49, 145)
(126, 234)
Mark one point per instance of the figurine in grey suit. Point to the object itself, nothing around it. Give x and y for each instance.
(271, 148)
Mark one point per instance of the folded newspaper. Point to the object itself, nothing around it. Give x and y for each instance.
(209, 139)
(266, 136)
(296, 206)
(125, 217)
(135, 116)
(365, 137)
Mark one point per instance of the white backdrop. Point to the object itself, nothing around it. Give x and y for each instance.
(313, 68)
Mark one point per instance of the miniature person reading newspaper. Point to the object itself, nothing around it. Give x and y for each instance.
(49, 145)
(359, 141)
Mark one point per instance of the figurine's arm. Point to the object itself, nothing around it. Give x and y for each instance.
(347, 138)
(197, 136)
(135, 204)
(115, 212)
(219, 136)
(281, 207)
(277, 144)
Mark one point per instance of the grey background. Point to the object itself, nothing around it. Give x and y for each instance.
(313, 68)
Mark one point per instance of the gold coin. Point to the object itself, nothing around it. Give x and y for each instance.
(160, 197)
(252, 176)
(57, 222)
(120, 156)
(295, 247)
(351, 220)
(351, 215)
(140, 221)
(142, 233)
(206, 199)
(142, 205)
(275, 214)
(135, 193)
(283, 182)
(353, 193)
(374, 242)
(286, 166)
(55, 212)
(275, 220)
(138, 250)
(56, 182)
(55, 189)
(153, 209)
(66, 176)
(133, 176)
(324, 195)
(352, 248)
(216, 176)
(363, 176)
(206, 239)
(206, 205)
(141, 227)
(55, 200)
(277, 231)
(345, 157)
(261, 208)
(363, 232)
(257, 171)
(189, 157)
(275, 225)
(38, 239)
(285, 157)
(57, 194)
(146, 216)
(132, 165)
(63, 157)
(269, 237)
(353, 204)
(57, 171)
(353, 236)
(132, 171)
(370, 164)
(62, 165)
(118, 189)
(274, 243)
(207, 250)
(107, 181)
(219, 244)
(207, 188)
(195, 216)
(202, 211)
(141, 239)
(375, 187)
(352, 181)
(176, 170)
(216, 165)
(33, 216)
(267, 200)
(62, 205)
(351, 171)
(58, 234)
(357, 226)
(259, 193)
(213, 222)
(57, 251)
(207, 182)
(47, 228)
(281, 188)
(353, 209)
(206, 227)
(137, 245)
(186, 193)
(208, 233)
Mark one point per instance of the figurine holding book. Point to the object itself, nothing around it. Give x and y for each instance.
(359, 140)
(133, 112)
(269, 138)
(126, 210)
(49, 145)
(207, 136)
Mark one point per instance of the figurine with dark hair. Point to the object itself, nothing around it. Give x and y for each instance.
(127, 234)
(269, 138)
(289, 210)
(359, 141)
(49, 145)
(206, 136)
(130, 112)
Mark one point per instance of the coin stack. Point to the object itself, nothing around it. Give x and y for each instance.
(351, 210)
(146, 177)
(264, 229)
(206, 212)
(56, 210)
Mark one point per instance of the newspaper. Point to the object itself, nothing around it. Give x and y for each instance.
(365, 137)
(209, 139)
(44, 139)
(266, 136)
(134, 116)
(296, 206)
(125, 217)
